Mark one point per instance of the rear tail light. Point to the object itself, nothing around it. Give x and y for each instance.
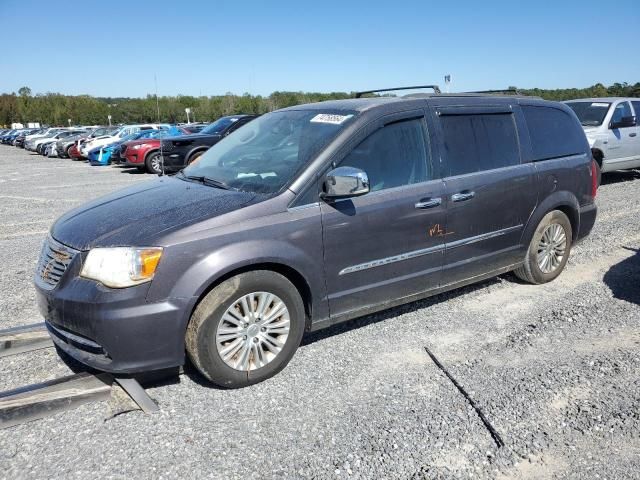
(594, 178)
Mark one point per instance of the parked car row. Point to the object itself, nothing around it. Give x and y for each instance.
(154, 148)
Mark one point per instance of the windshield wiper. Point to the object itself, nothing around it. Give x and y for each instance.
(217, 183)
(211, 182)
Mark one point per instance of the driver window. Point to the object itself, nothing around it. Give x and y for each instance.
(393, 156)
(622, 110)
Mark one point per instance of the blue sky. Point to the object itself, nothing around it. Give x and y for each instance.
(114, 48)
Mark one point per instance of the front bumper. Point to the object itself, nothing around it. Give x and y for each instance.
(114, 330)
(100, 160)
(132, 159)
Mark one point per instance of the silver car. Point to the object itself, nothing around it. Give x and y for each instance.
(613, 130)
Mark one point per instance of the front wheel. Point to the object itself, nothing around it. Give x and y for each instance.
(549, 249)
(246, 329)
(153, 163)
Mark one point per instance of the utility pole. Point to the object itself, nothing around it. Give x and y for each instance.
(188, 111)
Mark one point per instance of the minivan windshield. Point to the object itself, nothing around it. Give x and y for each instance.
(267, 153)
(590, 114)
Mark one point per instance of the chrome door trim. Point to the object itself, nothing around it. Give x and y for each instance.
(426, 251)
(387, 260)
(484, 236)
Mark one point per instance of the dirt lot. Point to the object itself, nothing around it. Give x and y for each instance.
(555, 368)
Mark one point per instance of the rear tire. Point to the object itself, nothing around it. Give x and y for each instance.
(548, 250)
(228, 322)
(194, 157)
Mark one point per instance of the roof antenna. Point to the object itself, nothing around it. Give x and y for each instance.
(155, 79)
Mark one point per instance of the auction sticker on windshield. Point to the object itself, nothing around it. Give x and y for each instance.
(597, 104)
(329, 118)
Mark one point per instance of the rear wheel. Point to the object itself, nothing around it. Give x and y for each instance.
(246, 329)
(153, 163)
(193, 158)
(549, 249)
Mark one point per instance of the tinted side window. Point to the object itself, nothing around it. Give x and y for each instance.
(236, 125)
(553, 133)
(622, 110)
(479, 142)
(393, 156)
(636, 107)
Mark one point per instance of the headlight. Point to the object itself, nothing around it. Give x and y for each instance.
(121, 266)
(140, 145)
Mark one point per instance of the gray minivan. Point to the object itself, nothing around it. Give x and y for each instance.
(313, 215)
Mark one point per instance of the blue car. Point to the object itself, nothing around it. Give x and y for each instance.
(6, 136)
(104, 155)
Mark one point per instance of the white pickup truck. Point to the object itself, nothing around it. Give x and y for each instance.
(612, 126)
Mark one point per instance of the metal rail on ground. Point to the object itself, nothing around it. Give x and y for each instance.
(24, 339)
(40, 400)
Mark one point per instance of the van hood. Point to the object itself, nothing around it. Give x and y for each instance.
(141, 214)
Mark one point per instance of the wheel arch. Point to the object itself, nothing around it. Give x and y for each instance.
(193, 151)
(564, 201)
(598, 156)
(290, 273)
(149, 152)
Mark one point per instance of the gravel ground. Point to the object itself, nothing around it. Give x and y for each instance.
(555, 368)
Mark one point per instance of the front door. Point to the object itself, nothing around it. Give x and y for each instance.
(387, 244)
(619, 148)
(490, 193)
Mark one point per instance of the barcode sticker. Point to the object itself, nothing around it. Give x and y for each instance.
(329, 118)
(598, 104)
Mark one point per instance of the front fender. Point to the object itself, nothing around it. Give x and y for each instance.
(201, 275)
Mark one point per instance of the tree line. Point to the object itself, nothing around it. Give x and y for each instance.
(57, 109)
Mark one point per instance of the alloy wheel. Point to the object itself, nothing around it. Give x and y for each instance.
(551, 248)
(253, 331)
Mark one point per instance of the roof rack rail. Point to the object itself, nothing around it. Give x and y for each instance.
(512, 91)
(435, 88)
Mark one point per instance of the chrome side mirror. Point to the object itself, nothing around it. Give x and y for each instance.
(345, 182)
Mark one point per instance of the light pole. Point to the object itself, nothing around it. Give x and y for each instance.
(187, 111)
(110, 105)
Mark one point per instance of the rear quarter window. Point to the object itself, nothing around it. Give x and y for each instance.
(553, 132)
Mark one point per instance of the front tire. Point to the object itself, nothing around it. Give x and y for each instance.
(153, 163)
(246, 329)
(549, 249)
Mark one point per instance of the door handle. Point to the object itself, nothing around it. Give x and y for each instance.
(430, 203)
(462, 196)
(632, 134)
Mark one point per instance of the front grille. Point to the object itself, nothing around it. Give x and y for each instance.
(54, 260)
(123, 149)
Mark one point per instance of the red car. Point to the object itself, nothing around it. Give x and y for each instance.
(145, 153)
(74, 153)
